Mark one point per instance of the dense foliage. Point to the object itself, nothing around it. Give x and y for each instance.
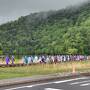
(66, 31)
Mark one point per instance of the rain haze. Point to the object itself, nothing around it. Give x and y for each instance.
(13, 9)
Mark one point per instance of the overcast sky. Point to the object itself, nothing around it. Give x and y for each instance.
(12, 9)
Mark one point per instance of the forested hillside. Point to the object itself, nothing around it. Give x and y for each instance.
(65, 31)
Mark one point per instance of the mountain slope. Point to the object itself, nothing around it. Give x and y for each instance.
(66, 31)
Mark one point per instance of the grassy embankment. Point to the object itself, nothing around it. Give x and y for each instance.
(42, 69)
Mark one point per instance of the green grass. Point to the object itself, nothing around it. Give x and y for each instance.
(43, 69)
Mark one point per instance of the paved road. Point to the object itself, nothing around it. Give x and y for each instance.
(82, 83)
